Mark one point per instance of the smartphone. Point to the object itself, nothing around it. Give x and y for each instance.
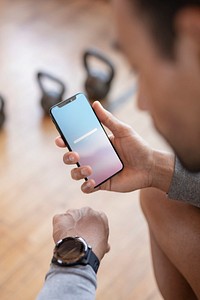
(83, 133)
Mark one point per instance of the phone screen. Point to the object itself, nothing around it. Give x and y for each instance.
(82, 132)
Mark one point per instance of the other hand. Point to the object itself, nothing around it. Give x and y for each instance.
(87, 223)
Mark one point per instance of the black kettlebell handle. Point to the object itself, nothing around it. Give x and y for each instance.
(99, 55)
(42, 75)
(2, 103)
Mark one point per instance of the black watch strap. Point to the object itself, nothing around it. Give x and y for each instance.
(93, 261)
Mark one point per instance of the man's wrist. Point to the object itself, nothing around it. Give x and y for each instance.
(163, 170)
(72, 251)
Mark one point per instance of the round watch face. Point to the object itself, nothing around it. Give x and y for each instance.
(70, 250)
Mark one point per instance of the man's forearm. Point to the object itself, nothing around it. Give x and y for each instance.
(163, 170)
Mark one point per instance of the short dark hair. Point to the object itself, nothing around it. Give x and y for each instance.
(160, 15)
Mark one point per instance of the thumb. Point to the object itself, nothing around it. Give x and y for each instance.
(117, 127)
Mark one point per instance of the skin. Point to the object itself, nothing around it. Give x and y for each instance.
(174, 235)
(144, 166)
(170, 91)
(77, 222)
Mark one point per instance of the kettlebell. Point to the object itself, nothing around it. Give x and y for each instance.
(50, 96)
(97, 83)
(2, 112)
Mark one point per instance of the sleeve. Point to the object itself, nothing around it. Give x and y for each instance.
(74, 283)
(185, 186)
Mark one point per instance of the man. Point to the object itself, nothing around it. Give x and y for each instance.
(161, 40)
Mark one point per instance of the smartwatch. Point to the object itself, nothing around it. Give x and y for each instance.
(72, 251)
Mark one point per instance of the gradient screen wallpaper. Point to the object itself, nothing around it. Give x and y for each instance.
(85, 135)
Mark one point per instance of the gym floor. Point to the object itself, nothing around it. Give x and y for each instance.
(34, 183)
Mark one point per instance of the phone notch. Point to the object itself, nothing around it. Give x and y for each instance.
(62, 103)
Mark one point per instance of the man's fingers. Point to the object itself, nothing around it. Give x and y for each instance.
(71, 158)
(117, 127)
(59, 142)
(88, 187)
(81, 172)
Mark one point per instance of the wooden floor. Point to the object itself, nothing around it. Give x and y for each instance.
(34, 184)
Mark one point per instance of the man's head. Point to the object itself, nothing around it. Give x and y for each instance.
(162, 42)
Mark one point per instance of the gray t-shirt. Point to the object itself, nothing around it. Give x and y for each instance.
(79, 283)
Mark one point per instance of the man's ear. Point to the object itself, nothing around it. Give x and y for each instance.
(187, 22)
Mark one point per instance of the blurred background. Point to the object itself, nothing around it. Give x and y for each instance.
(51, 37)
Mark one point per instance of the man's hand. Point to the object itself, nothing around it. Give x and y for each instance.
(143, 166)
(87, 223)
